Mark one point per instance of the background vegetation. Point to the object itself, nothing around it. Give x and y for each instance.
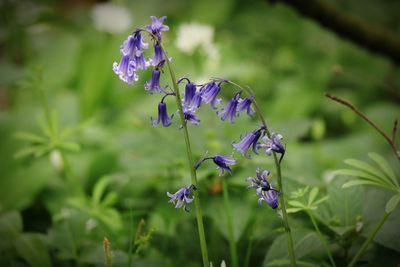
(125, 166)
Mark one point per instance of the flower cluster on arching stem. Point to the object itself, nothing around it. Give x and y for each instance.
(134, 58)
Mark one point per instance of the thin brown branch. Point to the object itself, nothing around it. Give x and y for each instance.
(362, 32)
(390, 141)
(394, 131)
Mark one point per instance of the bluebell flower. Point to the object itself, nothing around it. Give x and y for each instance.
(272, 144)
(222, 163)
(126, 70)
(191, 117)
(270, 197)
(154, 84)
(134, 45)
(230, 110)
(245, 104)
(163, 115)
(264, 189)
(157, 26)
(182, 197)
(250, 139)
(158, 58)
(192, 99)
(209, 93)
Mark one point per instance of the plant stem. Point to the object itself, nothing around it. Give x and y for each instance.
(130, 238)
(279, 178)
(321, 237)
(199, 216)
(390, 141)
(369, 239)
(232, 243)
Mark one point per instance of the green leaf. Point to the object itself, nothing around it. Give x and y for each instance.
(293, 210)
(99, 190)
(281, 262)
(321, 200)
(71, 146)
(32, 248)
(297, 204)
(384, 166)
(10, 228)
(364, 175)
(305, 243)
(30, 137)
(392, 203)
(25, 152)
(313, 194)
(364, 166)
(359, 182)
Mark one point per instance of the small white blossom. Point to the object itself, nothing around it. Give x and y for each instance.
(111, 18)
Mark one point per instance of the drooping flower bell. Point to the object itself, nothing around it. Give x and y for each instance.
(158, 57)
(182, 197)
(192, 99)
(126, 70)
(154, 84)
(249, 140)
(163, 115)
(272, 144)
(264, 189)
(157, 26)
(209, 93)
(230, 110)
(222, 163)
(245, 104)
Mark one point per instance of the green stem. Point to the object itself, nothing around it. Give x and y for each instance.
(130, 238)
(321, 237)
(193, 174)
(279, 178)
(369, 239)
(232, 243)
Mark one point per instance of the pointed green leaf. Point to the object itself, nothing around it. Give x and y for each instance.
(99, 189)
(293, 210)
(30, 137)
(71, 146)
(392, 203)
(25, 152)
(313, 194)
(384, 166)
(364, 166)
(296, 204)
(360, 182)
(364, 175)
(322, 199)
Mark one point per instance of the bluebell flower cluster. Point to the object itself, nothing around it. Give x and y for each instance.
(133, 59)
(264, 189)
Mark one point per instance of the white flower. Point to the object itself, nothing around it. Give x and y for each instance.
(111, 18)
(56, 160)
(195, 35)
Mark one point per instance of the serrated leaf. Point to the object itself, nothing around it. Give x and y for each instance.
(297, 204)
(30, 137)
(384, 165)
(313, 194)
(392, 203)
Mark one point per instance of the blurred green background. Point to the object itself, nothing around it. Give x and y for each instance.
(125, 166)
